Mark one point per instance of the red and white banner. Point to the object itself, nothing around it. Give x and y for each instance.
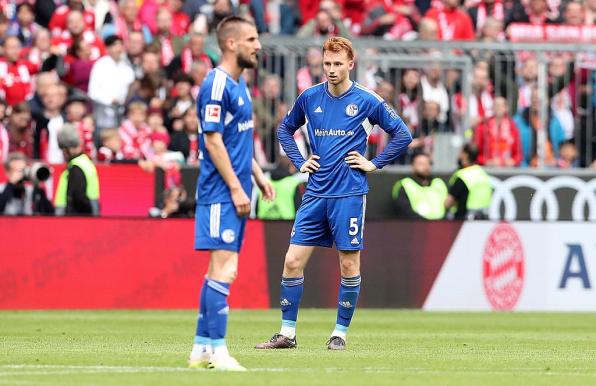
(551, 33)
(523, 266)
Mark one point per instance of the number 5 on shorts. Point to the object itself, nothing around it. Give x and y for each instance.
(353, 226)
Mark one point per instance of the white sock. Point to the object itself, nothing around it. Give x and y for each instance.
(221, 351)
(288, 331)
(199, 349)
(341, 334)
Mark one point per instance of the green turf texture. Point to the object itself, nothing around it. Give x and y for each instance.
(385, 347)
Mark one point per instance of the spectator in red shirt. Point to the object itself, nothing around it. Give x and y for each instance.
(76, 29)
(498, 138)
(181, 21)
(388, 20)
(484, 10)
(170, 45)
(111, 146)
(20, 130)
(15, 73)
(135, 134)
(454, 23)
(78, 115)
(59, 21)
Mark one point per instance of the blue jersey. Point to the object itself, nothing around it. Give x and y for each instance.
(225, 106)
(336, 126)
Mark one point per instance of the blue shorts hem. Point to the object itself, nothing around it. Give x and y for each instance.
(307, 244)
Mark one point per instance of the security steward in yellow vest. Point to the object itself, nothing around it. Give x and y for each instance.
(286, 183)
(470, 190)
(420, 196)
(78, 188)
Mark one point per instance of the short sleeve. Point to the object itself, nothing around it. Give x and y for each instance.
(212, 104)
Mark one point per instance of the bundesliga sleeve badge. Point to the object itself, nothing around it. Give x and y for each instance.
(212, 113)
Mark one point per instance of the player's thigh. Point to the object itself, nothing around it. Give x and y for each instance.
(311, 227)
(297, 257)
(217, 227)
(346, 217)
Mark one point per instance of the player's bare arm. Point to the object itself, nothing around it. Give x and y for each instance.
(221, 160)
(311, 165)
(262, 182)
(358, 161)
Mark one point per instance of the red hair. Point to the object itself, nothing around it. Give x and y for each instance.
(338, 44)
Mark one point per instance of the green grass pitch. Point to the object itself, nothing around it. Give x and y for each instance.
(385, 347)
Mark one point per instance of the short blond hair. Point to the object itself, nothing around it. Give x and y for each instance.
(338, 44)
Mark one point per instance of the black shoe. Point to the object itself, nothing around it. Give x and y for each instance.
(278, 341)
(336, 343)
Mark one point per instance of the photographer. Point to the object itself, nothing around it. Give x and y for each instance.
(22, 194)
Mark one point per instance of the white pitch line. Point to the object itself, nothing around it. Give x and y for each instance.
(21, 370)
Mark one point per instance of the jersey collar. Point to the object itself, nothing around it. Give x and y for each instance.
(342, 95)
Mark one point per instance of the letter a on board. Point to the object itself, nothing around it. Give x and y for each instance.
(575, 253)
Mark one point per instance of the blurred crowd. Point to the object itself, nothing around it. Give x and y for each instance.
(125, 74)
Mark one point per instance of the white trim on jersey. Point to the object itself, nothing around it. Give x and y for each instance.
(219, 85)
(371, 92)
(229, 118)
(214, 218)
(363, 216)
(367, 127)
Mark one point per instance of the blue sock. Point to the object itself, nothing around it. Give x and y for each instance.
(217, 311)
(289, 299)
(202, 334)
(347, 299)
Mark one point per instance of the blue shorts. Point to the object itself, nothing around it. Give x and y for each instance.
(321, 221)
(218, 227)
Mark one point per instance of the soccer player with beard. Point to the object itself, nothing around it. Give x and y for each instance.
(224, 109)
(339, 115)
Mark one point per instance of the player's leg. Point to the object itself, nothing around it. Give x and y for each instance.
(346, 217)
(310, 229)
(347, 299)
(219, 230)
(223, 273)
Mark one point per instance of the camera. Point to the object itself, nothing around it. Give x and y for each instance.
(37, 172)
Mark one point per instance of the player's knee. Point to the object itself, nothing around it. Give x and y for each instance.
(349, 267)
(292, 263)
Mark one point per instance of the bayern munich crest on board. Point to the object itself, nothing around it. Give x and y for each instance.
(503, 267)
(351, 110)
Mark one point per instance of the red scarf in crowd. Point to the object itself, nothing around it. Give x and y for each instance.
(498, 13)
(167, 50)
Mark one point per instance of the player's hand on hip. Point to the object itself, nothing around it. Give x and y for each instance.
(241, 202)
(311, 165)
(357, 161)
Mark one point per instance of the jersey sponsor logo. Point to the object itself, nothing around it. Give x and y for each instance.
(351, 110)
(390, 110)
(503, 267)
(228, 236)
(213, 113)
(355, 241)
(246, 125)
(318, 110)
(346, 304)
(333, 133)
(285, 303)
